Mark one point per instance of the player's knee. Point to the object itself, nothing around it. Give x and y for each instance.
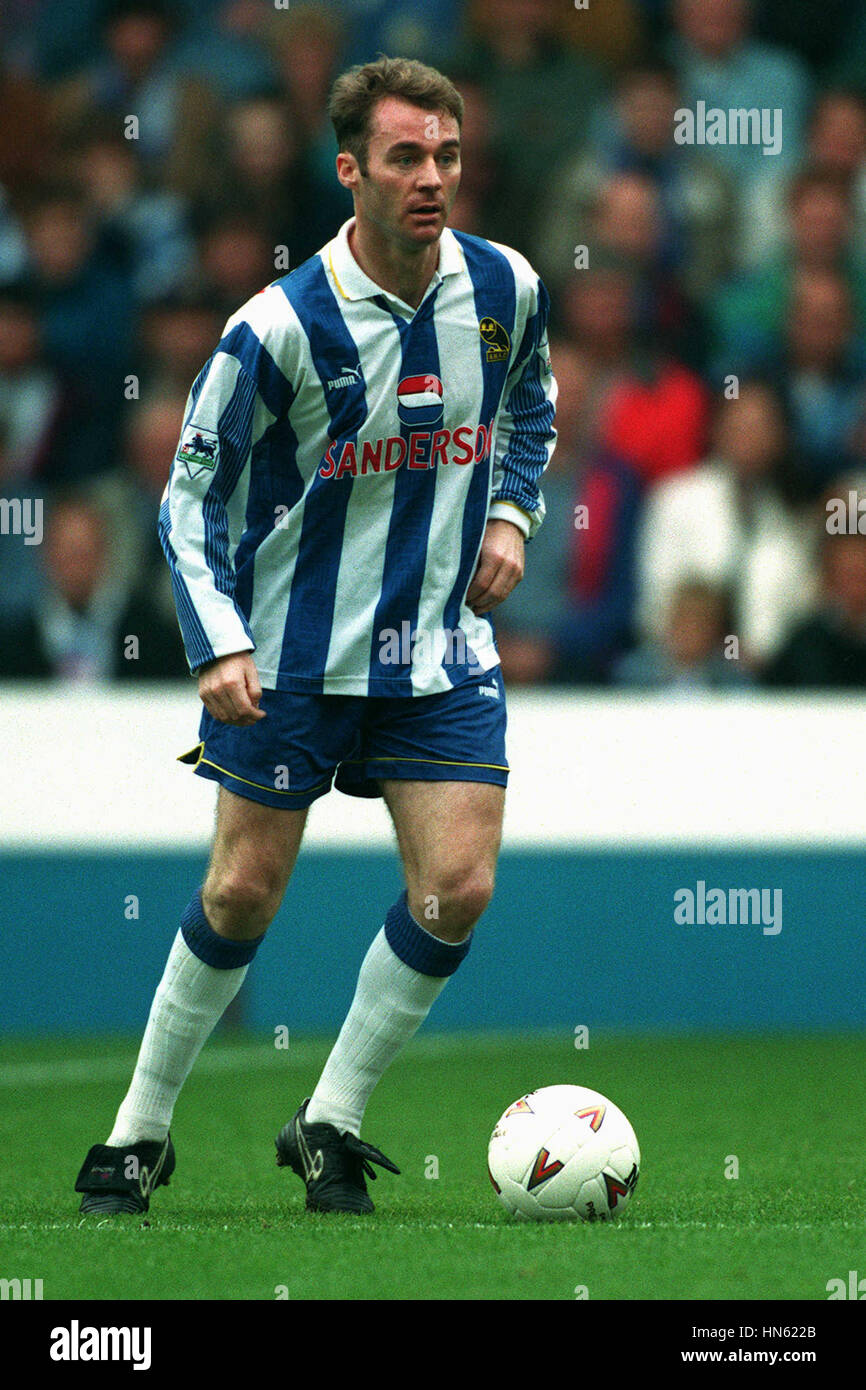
(463, 896)
(242, 902)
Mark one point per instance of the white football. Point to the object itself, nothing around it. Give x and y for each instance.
(564, 1152)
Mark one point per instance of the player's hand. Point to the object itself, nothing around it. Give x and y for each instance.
(500, 566)
(230, 689)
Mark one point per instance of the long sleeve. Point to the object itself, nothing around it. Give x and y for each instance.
(203, 513)
(525, 433)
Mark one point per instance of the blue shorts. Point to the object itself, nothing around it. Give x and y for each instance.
(290, 758)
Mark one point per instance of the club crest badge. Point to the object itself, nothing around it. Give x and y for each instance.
(496, 338)
(199, 450)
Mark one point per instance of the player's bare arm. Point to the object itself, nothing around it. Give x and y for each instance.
(500, 566)
(230, 689)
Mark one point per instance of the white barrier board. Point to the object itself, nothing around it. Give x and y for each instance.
(96, 769)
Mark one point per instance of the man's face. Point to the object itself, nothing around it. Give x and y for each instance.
(647, 107)
(628, 216)
(19, 337)
(820, 322)
(750, 432)
(60, 241)
(695, 627)
(715, 27)
(845, 575)
(412, 176)
(838, 139)
(820, 225)
(75, 553)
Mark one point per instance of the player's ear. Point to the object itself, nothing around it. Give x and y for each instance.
(348, 171)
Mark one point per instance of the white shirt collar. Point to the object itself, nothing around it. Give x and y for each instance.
(353, 283)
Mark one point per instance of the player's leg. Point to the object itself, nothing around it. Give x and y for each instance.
(253, 854)
(254, 851)
(440, 763)
(449, 835)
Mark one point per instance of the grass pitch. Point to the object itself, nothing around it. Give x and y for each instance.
(787, 1113)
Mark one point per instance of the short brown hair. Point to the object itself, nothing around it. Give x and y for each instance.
(356, 92)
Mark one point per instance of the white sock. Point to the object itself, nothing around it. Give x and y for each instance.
(190, 1000)
(391, 1002)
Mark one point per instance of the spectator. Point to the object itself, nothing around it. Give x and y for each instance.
(837, 135)
(827, 649)
(641, 417)
(721, 63)
(689, 655)
(263, 176)
(142, 232)
(134, 73)
(13, 244)
(634, 135)
(306, 43)
(627, 220)
(30, 395)
(223, 44)
(656, 420)
(706, 263)
(542, 96)
(130, 496)
(480, 207)
(86, 317)
(597, 312)
(749, 314)
(425, 29)
(821, 376)
(70, 631)
(176, 337)
(75, 631)
(644, 407)
(728, 523)
(597, 621)
(836, 146)
(651, 425)
(22, 511)
(527, 624)
(237, 259)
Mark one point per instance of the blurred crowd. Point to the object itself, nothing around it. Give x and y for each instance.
(162, 160)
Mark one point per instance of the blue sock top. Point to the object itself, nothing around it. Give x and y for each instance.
(417, 947)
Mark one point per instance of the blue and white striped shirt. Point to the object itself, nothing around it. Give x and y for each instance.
(340, 457)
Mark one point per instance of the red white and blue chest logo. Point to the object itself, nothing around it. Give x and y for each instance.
(419, 401)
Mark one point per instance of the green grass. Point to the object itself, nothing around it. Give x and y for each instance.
(232, 1225)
